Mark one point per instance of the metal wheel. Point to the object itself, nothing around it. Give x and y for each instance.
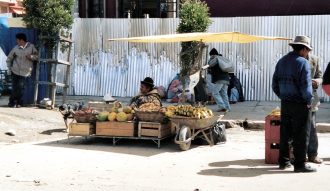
(184, 134)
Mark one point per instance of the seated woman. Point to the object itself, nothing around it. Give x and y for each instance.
(148, 94)
(174, 90)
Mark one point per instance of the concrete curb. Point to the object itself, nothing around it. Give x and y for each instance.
(260, 125)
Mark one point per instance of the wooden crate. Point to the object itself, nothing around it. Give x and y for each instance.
(122, 129)
(152, 129)
(81, 129)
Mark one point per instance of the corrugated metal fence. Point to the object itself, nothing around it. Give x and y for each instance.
(102, 67)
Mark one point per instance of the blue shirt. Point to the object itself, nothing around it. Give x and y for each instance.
(292, 79)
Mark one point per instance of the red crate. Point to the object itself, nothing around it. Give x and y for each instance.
(272, 151)
(272, 128)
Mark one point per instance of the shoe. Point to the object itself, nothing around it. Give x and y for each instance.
(315, 159)
(222, 110)
(285, 166)
(11, 105)
(306, 168)
(18, 106)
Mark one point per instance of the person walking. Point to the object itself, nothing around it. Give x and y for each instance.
(220, 82)
(20, 64)
(292, 83)
(313, 144)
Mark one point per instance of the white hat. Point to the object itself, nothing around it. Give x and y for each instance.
(108, 97)
(302, 40)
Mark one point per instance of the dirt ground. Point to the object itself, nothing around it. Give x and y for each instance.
(39, 157)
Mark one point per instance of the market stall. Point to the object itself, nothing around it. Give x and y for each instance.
(149, 122)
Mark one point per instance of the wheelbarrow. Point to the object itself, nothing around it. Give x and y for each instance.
(189, 128)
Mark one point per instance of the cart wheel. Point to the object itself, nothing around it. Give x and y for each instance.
(184, 134)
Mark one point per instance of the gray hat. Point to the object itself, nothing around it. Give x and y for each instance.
(302, 40)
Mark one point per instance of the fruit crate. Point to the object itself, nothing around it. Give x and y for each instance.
(81, 129)
(113, 128)
(152, 129)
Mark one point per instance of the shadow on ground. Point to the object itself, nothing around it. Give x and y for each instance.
(242, 168)
(51, 131)
(144, 148)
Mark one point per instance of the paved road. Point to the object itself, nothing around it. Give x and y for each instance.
(96, 165)
(40, 158)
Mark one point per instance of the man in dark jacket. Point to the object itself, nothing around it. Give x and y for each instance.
(292, 83)
(220, 80)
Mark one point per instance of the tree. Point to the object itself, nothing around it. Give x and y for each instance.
(48, 16)
(194, 16)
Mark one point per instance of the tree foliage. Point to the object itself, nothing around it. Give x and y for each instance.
(194, 17)
(48, 16)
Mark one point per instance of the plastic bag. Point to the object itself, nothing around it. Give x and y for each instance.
(225, 64)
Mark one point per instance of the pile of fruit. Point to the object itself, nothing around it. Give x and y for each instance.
(118, 113)
(84, 111)
(276, 112)
(189, 111)
(149, 107)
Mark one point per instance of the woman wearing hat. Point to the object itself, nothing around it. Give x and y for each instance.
(148, 94)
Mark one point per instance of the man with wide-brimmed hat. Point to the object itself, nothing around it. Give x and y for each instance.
(148, 94)
(292, 83)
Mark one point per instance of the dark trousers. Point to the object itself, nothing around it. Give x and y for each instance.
(295, 126)
(18, 85)
(313, 143)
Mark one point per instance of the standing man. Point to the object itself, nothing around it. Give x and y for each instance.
(20, 63)
(292, 83)
(220, 80)
(313, 144)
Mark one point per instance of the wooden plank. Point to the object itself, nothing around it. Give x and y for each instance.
(115, 128)
(149, 132)
(115, 132)
(52, 83)
(154, 129)
(55, 61)
(64, 39)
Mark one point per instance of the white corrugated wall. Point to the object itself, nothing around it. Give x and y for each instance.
(101, 66)
(3, 58)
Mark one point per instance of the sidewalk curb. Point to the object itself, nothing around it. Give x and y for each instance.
(260, 125)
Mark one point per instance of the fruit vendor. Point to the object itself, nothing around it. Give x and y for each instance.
(148, 95)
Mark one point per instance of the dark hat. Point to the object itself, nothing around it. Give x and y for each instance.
(214, 52)
(148, 82)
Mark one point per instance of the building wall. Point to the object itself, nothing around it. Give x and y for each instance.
(85, 9)
(237, 8)
(117, 67)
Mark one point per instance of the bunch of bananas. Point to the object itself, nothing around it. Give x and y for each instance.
(189, 111)
(276, 112)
